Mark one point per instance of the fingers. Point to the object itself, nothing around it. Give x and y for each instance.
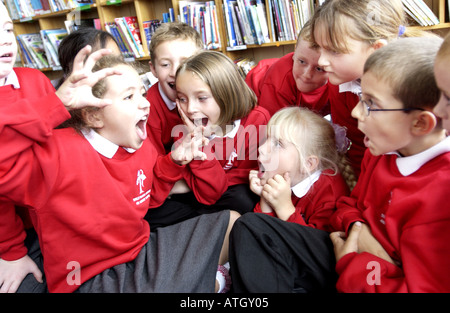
(94, 57)
(78, 62)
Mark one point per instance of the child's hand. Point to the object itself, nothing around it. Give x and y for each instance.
(76, 91)
(342, 245)
(12, 273)
(368, 243)
(277, 193)
(188, 148)
(255, 182)
(189, 124)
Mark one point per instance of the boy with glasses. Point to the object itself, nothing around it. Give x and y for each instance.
(394, 226)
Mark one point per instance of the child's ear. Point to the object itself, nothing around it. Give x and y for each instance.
(312, 163)
(424, 123)
(380, 43)
(93, 118)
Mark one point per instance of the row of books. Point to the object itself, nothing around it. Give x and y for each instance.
(247, 22)
(127, 34)
(203, 17)
(420, 12)
(23, 9)
(40, 50)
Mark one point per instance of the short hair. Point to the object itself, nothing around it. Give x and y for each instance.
(228, 88)
(305, 34)
(407, 65)
(173, 31)
(371, 20)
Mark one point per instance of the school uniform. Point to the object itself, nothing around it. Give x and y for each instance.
(16, 231)
(295, 255)
(102, 212)
(403, 200)
(277, 89)
(203, 178)
(343, 99)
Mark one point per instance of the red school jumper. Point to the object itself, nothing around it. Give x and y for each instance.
(410, 217)
(277, 89)
(88, 209)
(238, 153)
(315, 208)
(35, 83)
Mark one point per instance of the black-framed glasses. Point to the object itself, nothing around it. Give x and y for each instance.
(367, 107)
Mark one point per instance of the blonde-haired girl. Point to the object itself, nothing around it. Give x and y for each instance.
(348, 32)
(212, 93)
(300, 178)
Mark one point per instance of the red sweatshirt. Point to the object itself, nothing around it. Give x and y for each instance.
(18, 104)
(88, 209)
(341, 105)
(316, 203)
(404, 203)
(237, 152)
(277, 89)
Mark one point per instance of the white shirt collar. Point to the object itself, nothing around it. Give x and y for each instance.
(12, 79)
(303, 187)
(102, 145)
(409, 165)
(231, 133)
(170, 105)
(353, 86)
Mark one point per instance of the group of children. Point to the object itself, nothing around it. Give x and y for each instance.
(307, 177)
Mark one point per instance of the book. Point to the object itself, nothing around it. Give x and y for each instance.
(34, 46)
(51, 39)
(132, 25)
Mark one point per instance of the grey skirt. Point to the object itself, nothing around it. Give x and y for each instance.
(179, 258)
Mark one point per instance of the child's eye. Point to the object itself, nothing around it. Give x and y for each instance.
(320, 70)
(301, 61)
(202, 98)
(129, 97)
(181, 99)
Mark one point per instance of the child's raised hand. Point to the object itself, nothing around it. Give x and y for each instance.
(188, 148)
(277, 193)
(255, 182)
(76, 91)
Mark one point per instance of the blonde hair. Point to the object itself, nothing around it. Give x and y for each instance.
(232, 94)
(311, 134)
(372, 20)
(407, 65)
(305, 34)
(173, 31)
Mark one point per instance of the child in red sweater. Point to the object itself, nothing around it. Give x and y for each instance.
(20, 88)
(299, 182)
(91, 188)
(441, 66)
(171, 44)
(212, 93)
(348, 31)
(393, 229)
(296, 79)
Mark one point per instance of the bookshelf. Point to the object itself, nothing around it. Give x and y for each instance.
(145, 10)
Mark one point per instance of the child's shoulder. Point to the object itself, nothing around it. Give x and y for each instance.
(258, 113)
(27, 72)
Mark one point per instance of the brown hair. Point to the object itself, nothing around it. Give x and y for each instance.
(362, 20)
(173, 31)
(311, 134)
(407, 65)
(228, 88)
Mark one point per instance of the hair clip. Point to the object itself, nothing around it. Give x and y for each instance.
(401, 30)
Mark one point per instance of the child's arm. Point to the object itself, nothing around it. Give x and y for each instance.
(277, 193)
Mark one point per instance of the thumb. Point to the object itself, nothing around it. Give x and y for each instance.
(37, 274)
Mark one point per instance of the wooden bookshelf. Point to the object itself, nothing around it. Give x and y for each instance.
(107, 10)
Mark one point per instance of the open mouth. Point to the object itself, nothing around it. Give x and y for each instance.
(141, 127)
(6, 56)
(201, 121)
(261, 171)
(171, 85)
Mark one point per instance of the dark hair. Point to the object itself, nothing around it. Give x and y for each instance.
(76, 41)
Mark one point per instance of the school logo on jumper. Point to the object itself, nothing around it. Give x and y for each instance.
(230, 161)
(140, 180)
(143, 194)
